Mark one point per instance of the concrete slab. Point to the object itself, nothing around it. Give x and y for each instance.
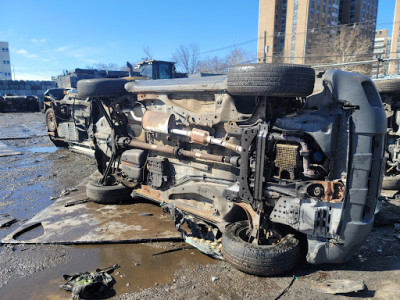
(89, 222)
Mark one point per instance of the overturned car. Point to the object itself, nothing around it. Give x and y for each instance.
(252, 158)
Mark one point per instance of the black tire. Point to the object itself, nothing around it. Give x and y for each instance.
(388, 85)
(58, 143)
(260, 260)
(391, 182)
(280, 80)
(51, 120)
(109, 194)
(101, 87)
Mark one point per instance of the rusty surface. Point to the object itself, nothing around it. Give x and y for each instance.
(253, 216)
(160, 148)
(147, 192)
(199, 136)
(330, 191)
(181, 152)
(158, 121)
(201, 155)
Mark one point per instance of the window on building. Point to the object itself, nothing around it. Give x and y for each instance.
(4, 49)
(6, 62)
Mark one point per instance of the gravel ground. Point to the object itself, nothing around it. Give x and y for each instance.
(35, 271)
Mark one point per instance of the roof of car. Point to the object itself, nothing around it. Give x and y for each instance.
(201, 84)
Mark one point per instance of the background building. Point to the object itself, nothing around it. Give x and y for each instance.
(292, 30)
(394, 67)
(5, 65)
(382, 45)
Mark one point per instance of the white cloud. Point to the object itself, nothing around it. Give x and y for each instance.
(44, 75)
(84, 54)
(25, 53)
(63, 48)
(39, 41)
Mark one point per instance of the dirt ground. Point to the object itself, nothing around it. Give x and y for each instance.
(40, 171)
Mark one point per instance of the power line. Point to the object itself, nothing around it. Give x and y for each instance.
(310, 30)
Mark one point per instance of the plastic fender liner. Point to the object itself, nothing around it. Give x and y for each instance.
(367, 126)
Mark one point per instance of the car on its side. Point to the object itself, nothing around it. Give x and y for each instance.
(254, 158)
(68, 119)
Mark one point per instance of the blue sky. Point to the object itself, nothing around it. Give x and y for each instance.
(47, 37)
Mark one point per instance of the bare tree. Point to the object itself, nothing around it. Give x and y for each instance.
(350, 44)
(220, 65)
(212, 65)
(147, 51)
(187, 57)
(238, 56)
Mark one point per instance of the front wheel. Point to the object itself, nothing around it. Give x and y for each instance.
(107, 194)
(260, 260)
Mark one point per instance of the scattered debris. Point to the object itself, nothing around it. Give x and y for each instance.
(71, 203)
(287, 288)
(7, 151)
(64, 192)
(145, 215)
(212, 248)
(337, 286)
(67, 191)
(6, 220)
(214, 278)
(89, 285)
(173, 250)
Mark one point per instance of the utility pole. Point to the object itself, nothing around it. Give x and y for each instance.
(265, 47)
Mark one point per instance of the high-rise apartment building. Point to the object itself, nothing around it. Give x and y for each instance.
(394, 67)
(5, 66)
(382, 45)
(289, 30)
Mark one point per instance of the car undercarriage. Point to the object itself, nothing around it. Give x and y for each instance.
(254, 158)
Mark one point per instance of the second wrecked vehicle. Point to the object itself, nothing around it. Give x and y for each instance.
(389, 90)
(68, 116)
(250, 157)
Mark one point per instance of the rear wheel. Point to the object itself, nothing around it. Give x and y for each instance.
(107, 194)
(388, 85)
(280, 80)
(51, 120)
(391, 182)
(261, 260)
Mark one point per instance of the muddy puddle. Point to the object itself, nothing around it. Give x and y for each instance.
(42, 149)
(139, 269)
